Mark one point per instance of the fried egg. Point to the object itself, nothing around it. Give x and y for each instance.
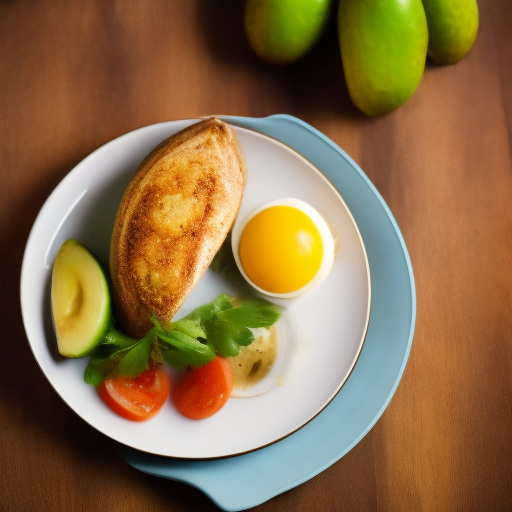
(284, 248)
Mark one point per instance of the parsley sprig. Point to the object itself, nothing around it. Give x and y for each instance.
(219, 327)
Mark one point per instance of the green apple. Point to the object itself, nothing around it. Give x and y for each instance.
(282, 31)
(81, 304)
(452, 28)
(383, 47)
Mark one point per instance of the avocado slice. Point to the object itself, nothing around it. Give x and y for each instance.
(81, 303)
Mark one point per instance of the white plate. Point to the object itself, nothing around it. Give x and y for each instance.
(331, 321)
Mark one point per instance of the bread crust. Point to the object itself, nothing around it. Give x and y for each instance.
(174, 215)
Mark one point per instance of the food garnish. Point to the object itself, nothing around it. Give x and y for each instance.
(217, 328)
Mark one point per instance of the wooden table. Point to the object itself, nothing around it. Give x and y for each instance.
(74, 75)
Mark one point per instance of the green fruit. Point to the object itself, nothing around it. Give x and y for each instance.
(282, 31)
(452, 28)
(383, 49)
(81, 304)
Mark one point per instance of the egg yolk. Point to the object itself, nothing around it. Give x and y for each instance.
(281, 249)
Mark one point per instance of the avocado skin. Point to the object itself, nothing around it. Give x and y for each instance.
(283, 31)
(452, 27)
(383, 47)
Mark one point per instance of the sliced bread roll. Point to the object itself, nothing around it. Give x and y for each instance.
(173, 217)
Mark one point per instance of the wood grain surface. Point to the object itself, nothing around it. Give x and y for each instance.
(75, 75)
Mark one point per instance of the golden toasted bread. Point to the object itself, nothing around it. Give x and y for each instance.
(172, 220)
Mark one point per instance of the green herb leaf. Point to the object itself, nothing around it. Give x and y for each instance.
(119, 355)
(99, 368)
(227, 337)
(187, 326)
(118, 339)
(136, 359)
(181, 359)
(182, 341)
(93, 374)
(245, 337)
(203, 313)
(255, 313)
(215, 328)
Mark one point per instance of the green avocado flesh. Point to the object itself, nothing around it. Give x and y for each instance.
(81, 304)
(383, 47)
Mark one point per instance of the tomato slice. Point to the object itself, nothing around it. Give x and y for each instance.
(204, 391)
(136, 399)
